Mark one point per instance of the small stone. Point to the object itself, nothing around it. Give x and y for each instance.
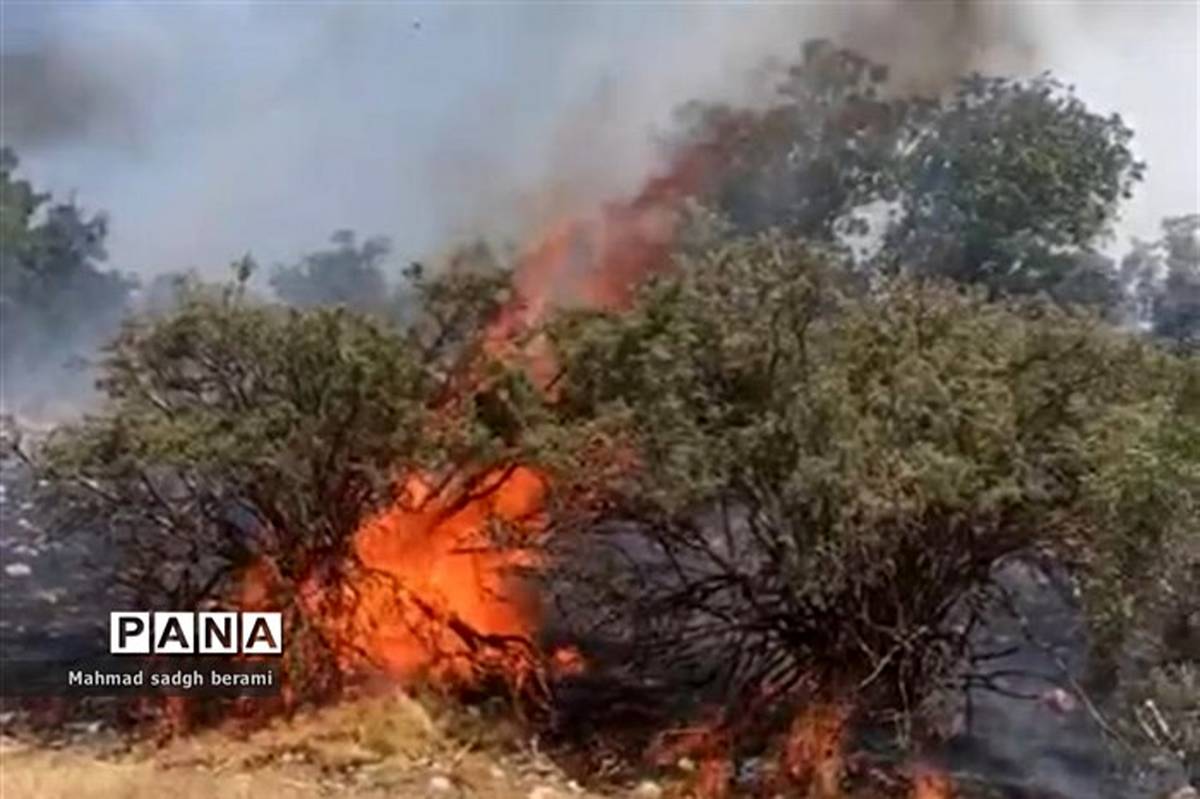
(440, 784)
(574, 787)
(496, 773)
(1186, 792)
(18, 570)
(543, 792)
(648, 789)
(1059, 701)
(686, 765)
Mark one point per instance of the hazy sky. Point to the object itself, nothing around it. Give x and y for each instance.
(210, 128)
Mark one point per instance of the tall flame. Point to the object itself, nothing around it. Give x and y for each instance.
(435, 594)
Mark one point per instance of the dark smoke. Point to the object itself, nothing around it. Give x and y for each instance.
(56, 96)
(929, 44)
(165, 116)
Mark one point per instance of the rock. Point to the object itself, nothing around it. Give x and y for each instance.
(440, 784)
(574, 787)
(496, 773)
(648, 789)
(18, 570)
(686, 765)
(543, 792)
(1186, 792)
(1059, 701)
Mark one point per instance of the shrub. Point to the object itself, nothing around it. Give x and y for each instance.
(241, 444)
(829, 475)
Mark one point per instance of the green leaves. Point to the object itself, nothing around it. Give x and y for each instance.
(885, 447)
(1003, 177)
(54, 298)
(238, 429)
(1009, 184)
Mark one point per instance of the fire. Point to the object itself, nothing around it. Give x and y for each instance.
(710, 745)
(599, 261)
(431, 593)
(813, 750)
(930, 783)
(435, 595)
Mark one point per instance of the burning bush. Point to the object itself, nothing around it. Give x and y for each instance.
(244, 445)
(828, 476)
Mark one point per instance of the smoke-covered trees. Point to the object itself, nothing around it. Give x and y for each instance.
(55, 300)
(1005, 183)
(1164, 282)
(347, 274)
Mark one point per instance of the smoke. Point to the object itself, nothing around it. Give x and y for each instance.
(208, 130)
(51, 98)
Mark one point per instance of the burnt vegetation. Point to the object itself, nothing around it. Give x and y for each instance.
(889, 360)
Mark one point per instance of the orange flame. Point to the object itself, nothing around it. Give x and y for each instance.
(813, 750)
(930, 783)
(435, 595)
(599, 261)
(710, 745)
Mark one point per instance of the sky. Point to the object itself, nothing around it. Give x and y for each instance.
(208, 129)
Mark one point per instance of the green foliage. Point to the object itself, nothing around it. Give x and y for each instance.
(54, 298)
(1004, 183)
(1164, 278)
(1007, 179)
(828, 476)
(236, 433)
(348, 274)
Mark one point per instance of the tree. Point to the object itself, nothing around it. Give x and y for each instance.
(56, 300)
(237, 436)
(1007, 183)
(1004, 183)
(811, 161)
(1164, 281)
(823, 478)
(348, 274)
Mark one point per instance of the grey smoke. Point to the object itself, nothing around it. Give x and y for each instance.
(209, 130)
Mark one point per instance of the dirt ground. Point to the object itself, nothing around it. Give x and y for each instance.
(381, 747)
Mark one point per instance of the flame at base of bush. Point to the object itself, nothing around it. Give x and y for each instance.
(433, 594)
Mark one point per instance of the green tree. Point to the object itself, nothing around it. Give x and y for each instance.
(826, 477)
(347, 274)
(55, 298)
(1164, 282)
(236, 433)
(1009, 184)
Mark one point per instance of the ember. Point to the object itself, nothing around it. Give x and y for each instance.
(812, 756)
(932, 784)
